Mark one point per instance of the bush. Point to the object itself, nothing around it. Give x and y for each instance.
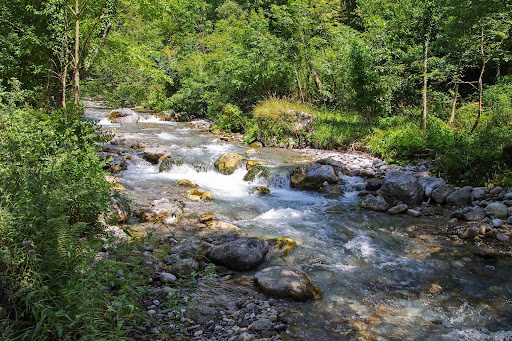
(231, 119)
(52, 189)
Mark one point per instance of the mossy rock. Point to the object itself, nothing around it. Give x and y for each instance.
(252, 152)
(205, 217)
(228, 163)
(187, 183)
(254, 163)
(260, 190)
(256, 172)
(198, 194)
(285, 244)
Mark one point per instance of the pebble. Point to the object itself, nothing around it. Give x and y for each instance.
(497, 223)
(502, 237)
(166, 277)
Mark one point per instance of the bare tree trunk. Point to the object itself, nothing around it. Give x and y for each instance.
(454, 105)
(77, 55)
(425, 87)
(317, 80)
(480, 83)
(64, 77)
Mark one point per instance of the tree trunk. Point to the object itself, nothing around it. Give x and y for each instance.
(317, 80)
(480, 83)
(454, 105)
(425, 86)
(298, 83)
(64, 85)
(77, 55)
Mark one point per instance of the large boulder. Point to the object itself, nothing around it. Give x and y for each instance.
(460, 197)
(298, 125)
(245, 253)
(313, 176)
(439, 194)
(286, 282)
(124, 116)
(156, 154)
(497, 210)
(228, 163)
(399, 187)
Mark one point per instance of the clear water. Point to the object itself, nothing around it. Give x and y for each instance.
(378, 283)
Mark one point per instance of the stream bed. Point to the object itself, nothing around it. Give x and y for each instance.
(383, 277)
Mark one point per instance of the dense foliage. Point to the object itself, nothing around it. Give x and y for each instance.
(52, 189)
(382, 61)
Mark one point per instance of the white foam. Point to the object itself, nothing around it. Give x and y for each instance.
(105, 122)
(282, 213)
(154, 119)
(361, 245)
(167, 137)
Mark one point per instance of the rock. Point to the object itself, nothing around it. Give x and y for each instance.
(497, 223)
(198, 123)
(337, 165)
(313, 176)
(184, 267)
(470, 233)
(124, 116)
(285, 282)
(486, 253)
(299, 125)
(439, 194)
(256, 172)
(199, 194)
(509, 220)
(166, 277)
(435, 289)
(168, 164)
(399, 187)
(502, 237)
(156, 154)
(203, 218)
(398, 209)
(474, 214)
(221, 225)
(163, 211)
(252, 152)
(187, 183)
(285, 245)
(119, 209)
(256, 144)
(260, 190)
(376, 203)
(459, 198)
(113, 162)
(245, 336)
(496, 190)
(373, 185)
(245, 253)
(228, 163)
(479, 193)
(413, 213)
(254, 163)
(261, 324)
(497, 210)
(429, 184)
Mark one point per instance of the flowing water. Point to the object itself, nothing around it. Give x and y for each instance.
(383, 277)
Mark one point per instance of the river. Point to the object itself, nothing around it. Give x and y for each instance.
(383, 277)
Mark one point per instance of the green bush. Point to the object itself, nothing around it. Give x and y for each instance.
(231, 119)
(52, 189)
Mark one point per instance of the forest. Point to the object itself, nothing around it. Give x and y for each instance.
(426, 82)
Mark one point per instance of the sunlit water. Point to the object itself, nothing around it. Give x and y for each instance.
(378, 282)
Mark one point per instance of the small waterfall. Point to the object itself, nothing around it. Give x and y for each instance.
(280, 180)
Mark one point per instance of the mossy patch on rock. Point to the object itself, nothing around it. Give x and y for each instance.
(228, 163)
